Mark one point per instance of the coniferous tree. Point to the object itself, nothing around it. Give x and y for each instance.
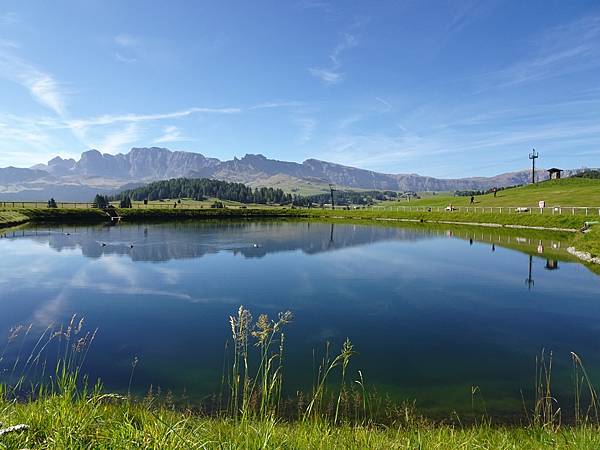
(125, 202)
(100, 201)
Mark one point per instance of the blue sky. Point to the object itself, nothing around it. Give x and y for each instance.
(456, 88)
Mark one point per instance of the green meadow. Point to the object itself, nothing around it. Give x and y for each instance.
(565, 192)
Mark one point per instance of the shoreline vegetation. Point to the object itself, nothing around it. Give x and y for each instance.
(66, 411)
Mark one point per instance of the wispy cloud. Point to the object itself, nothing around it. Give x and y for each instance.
(19, 141)
(466, 12)
(269, 105)
(115, 141)
(322, 5)
(157, 51)
(84, 128)
(109, 119)
(562, 130)
(128, 48)
(329, 76)
(9, 18)
(332, 74)
(125, 59)
(171, 133)
(560, 51)
(388, 105)
(126, 40)
(307, 127)
(41, 85)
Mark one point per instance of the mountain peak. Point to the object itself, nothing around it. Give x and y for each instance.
(96, 172)
(254, 157)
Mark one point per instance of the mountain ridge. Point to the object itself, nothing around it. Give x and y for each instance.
(105, 173)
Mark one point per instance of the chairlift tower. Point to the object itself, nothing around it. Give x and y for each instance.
(533, 156)
(332, 190)
(529, 281)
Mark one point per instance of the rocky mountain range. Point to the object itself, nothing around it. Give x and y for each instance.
(95, 172)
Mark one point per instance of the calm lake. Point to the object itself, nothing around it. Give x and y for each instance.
(431, 312)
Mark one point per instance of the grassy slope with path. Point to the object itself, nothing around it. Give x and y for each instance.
(565, 192)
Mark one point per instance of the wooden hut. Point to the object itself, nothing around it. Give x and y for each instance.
(555, 173)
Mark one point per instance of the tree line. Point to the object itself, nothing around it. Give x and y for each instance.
(344, 198)
(594, 174)
(203, 188)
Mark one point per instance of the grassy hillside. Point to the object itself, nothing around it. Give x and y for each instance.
(565, 192)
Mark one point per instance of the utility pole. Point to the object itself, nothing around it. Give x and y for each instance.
(332, 191)
(529, 281)
(533, 156)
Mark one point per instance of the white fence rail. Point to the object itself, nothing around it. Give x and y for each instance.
(552, 210)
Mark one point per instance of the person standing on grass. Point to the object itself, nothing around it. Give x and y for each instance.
(495, 192)
(472, 199)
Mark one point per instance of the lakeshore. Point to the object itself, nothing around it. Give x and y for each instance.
(586, 246)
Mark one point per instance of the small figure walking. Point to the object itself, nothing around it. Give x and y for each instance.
(472, 199)
(495, 192)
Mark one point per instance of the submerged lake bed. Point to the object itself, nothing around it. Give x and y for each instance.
(433, 313)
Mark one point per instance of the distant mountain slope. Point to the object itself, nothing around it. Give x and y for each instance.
(72, 180)
(11, 175)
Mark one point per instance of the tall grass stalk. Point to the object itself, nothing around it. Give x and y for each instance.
(582, 381)
(257, 394)
(546, 412)
(342, 359)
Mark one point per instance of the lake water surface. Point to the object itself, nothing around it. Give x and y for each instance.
(431, 312)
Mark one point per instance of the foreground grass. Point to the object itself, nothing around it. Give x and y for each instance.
(64, 414)
(61, 421)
